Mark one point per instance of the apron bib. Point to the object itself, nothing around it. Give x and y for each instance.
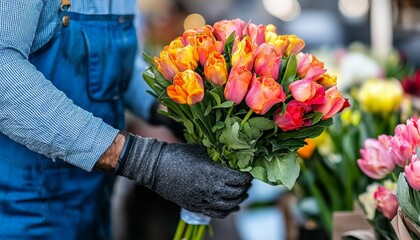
(90, 59)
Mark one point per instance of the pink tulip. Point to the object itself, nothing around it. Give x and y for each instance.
(263, 94)
(293, 117)
(385, 141)
(375, 160)
(386, 202)
(410, 131)
(257, 33)
(224, 28)
(309, 66)
(307, 92)
(237, 84)
(412, 173)
(334, 103)
(267, 61)
(401, 151)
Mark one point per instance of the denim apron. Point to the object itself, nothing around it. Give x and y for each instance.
(90, 59)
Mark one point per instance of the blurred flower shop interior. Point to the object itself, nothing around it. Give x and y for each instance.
(359, 179)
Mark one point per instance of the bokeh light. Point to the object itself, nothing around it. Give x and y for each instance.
(285, 10)
(353, 8)
(194, 20)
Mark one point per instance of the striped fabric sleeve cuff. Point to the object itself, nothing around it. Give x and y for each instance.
(94, 142)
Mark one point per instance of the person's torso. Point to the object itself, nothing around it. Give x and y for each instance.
(50, 20)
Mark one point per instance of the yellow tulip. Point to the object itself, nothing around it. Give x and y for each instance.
(243, 53)
(380, 95)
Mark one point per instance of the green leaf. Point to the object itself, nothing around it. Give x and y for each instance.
(289, 73)
(226, 104)
(261, 123)
(260, 173)
(404, 200)
(219, 125)
(250, 132)
(148, 59)
(149, 78)
(208, 110)
(245, 158)
(201, 122)
(282, 169)
(230, 137)
(316, 118)
(216, 97)
(227, 49)
(307, 132)
(290, 145)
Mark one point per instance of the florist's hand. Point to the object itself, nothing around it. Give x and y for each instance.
(183, 173)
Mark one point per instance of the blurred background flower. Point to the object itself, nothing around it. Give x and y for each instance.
(331, 177)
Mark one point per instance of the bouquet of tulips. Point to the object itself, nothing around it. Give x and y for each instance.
(393, 161)
(246, 93)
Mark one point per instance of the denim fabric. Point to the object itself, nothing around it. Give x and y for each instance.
(90, 62)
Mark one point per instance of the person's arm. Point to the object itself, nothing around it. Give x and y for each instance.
(32, 111)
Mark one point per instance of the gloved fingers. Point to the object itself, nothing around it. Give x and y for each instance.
(216, 213)
(228, 203)
(230, 192)
(237, 179)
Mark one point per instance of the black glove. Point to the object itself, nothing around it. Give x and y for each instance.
(184, 174)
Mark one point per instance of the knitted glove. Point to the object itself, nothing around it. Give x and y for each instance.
(184, 174)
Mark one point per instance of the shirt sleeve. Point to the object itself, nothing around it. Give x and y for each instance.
(32, 111)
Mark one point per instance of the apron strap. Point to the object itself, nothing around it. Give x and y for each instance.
(65, 4)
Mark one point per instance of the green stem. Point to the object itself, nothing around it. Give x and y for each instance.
(194, 234)
(189, 231)
(394, 177)
(179, 230)
(230, 111)
(246, 117)
(200, 232)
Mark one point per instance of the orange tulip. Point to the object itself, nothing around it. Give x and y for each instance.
(215, 69)
(263, 94)
(184, 58)
(237, 84)
(188, 37)
(187, 88)
(306, 151)
(243, 53)
(205, 45)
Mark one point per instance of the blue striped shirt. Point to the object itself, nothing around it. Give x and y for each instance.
(32, 111)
